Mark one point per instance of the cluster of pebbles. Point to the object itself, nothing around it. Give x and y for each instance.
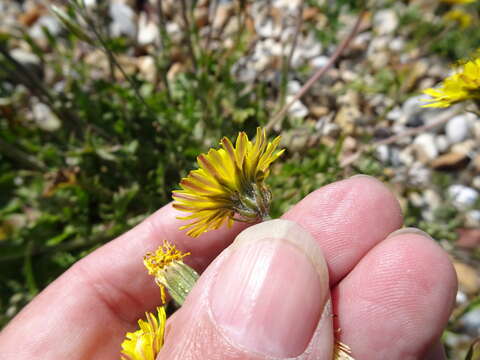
(412, 142)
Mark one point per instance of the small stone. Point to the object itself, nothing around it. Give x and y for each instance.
(147, 30)
(346, 118)
(432, 199)
(476, 163)
(468, 279)
(476, 182)
(310, 13)
(383, 153)
(442, 143)
(49, 22)
(462, 196)
(385, 21)
(147, 67)
(472, 218)
(319, 111)
(457, 128)
(465, 147)
(122, 20)
(319, 61)
(45, 118)
(298, 109)
(425, 147)
(471, 322)
(450, 161)
(397, 44)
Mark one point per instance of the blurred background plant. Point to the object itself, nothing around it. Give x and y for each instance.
(104, 106)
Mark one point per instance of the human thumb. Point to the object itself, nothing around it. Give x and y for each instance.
(265, 297)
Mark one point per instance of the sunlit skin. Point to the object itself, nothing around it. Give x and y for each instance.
(385, 290)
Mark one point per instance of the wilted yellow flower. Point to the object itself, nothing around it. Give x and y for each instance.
(461, 86)
(170, 272)
(461, 17)
(146, 342)
(229, 181)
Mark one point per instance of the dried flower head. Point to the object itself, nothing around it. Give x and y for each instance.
(170, 271)
(461, 86)
(146, 342)
(230, 181)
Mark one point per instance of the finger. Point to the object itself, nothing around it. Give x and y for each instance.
(348, 218)
(396, 302)
(85, 313)
(265, 297)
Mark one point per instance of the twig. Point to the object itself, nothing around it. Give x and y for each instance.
(286, 63)
(188, 29)
(443, 118)
(278, 117)
(212, 12)
(162, 32)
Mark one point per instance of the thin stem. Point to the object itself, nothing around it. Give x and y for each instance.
(278, 117)
(162, 33)
(188, 30)
(212, 12)
(287, 62)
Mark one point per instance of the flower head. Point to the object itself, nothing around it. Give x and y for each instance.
(230, 181)
(458, 1)
(170, 272)
(461, 17)
(461, 86)
(146, 342)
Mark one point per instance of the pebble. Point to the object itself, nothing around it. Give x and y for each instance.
(425, 147)
(385, 21)
(462, 196)
(471, 322)
(457, 128)
(45, 118)
(467, 277)
(472, 218)
(48, 22)
(147, 31)
(122, 20)
(450, 161)
(298, 109)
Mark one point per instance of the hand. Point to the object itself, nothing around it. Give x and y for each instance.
(392, 293)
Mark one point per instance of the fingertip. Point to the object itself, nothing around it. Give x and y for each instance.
(348, 218)
(404, 288)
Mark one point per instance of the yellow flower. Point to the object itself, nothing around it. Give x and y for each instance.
(170, 272)
(145, 343)
(461, 86)
(458, 1)
(461, 17)
(229, 181)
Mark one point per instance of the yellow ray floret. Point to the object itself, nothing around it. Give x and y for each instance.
(461, 86)
(458, 1)
(230, 181)
(146, 342)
